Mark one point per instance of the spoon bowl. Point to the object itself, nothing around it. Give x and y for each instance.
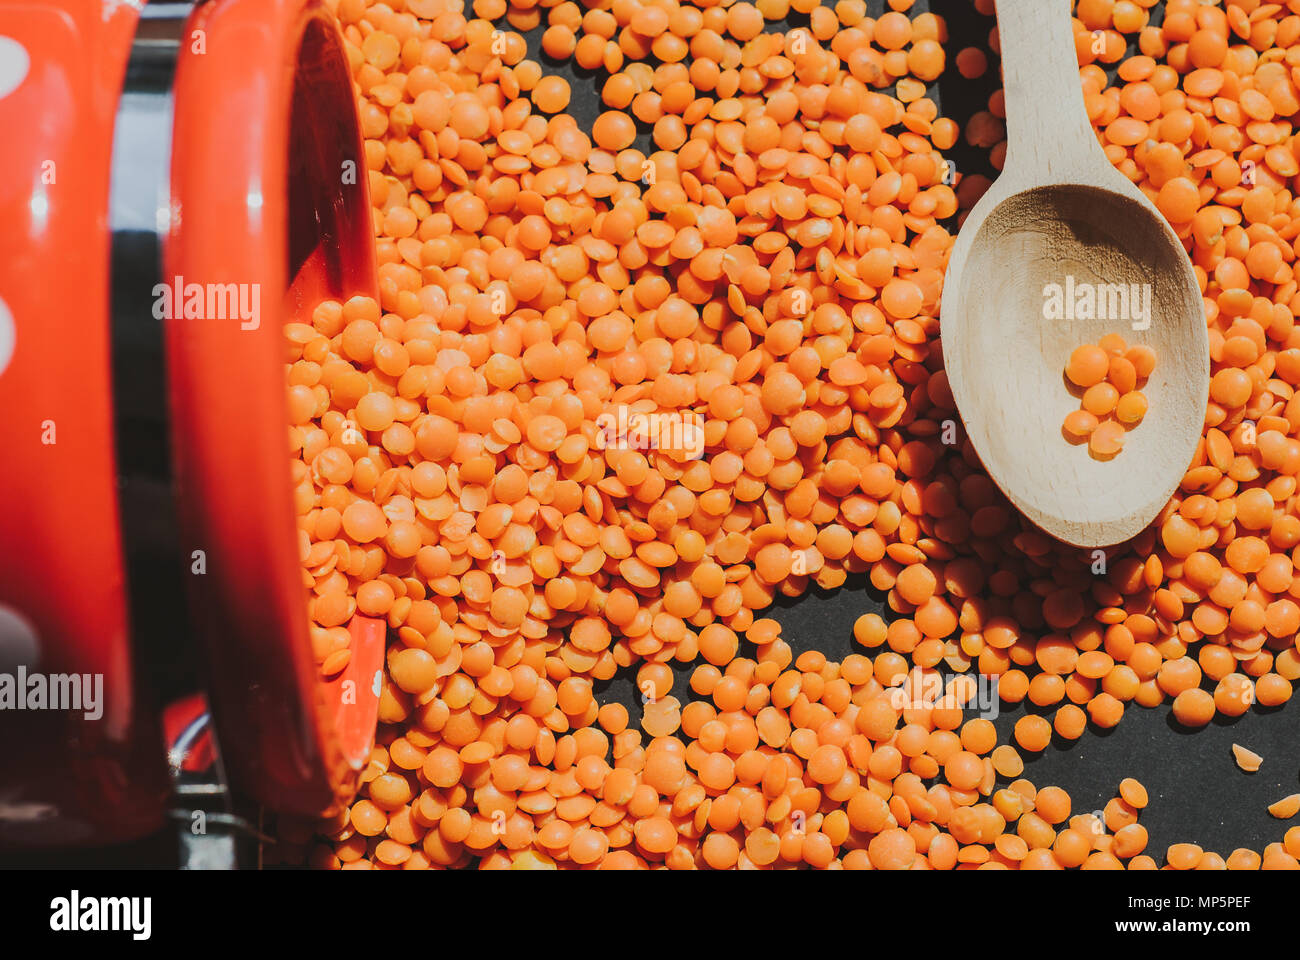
(1059, 229)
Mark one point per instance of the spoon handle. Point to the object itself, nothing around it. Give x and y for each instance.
(1049, 136)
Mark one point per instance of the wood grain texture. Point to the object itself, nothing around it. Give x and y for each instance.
(1061, 213)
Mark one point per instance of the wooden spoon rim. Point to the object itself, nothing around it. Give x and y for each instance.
(1082, 530)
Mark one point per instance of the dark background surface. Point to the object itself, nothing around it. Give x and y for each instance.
(1197, 793)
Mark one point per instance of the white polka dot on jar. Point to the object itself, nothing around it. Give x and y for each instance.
(8, 335)
(14, 64)
(19, 644)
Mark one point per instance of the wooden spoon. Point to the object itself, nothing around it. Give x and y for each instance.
(1061, 214)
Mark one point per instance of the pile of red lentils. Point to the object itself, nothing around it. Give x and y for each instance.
(1106, 376)
(774, 266)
